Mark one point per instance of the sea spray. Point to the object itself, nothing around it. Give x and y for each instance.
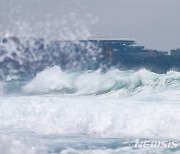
(1, 88)
(51, 79)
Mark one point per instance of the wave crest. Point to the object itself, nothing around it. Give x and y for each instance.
(98, 82)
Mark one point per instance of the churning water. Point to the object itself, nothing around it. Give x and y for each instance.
(49, 111)
(89, 111)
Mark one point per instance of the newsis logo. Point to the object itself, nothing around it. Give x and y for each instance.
(155, 144)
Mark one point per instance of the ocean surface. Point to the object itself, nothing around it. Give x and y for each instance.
(89, 112)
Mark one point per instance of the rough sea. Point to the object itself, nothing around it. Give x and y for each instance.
(90, 112)
(45, 109)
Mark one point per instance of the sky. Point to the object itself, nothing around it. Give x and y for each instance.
(153, 23)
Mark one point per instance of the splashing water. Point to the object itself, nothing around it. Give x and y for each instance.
(98, 82)
(92, 111)
(44, 109)
(84, 111)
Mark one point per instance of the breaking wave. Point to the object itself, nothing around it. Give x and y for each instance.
(113, 104)
(99, 82)
(93, 116)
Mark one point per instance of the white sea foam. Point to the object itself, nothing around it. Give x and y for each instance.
(48, 80)
(111, 151)
(97, 82)
(130, 104)
(10, 145)
(96, 116)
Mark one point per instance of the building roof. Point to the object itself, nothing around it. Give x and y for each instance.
(110, 38)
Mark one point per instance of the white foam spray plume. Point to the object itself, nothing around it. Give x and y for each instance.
(68, 27)
(97, 82)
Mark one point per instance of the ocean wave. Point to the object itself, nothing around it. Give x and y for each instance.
(75, 145)
(97, 82)
(117, 104)
(99, 117)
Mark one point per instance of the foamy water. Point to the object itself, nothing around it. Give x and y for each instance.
(89, 111)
